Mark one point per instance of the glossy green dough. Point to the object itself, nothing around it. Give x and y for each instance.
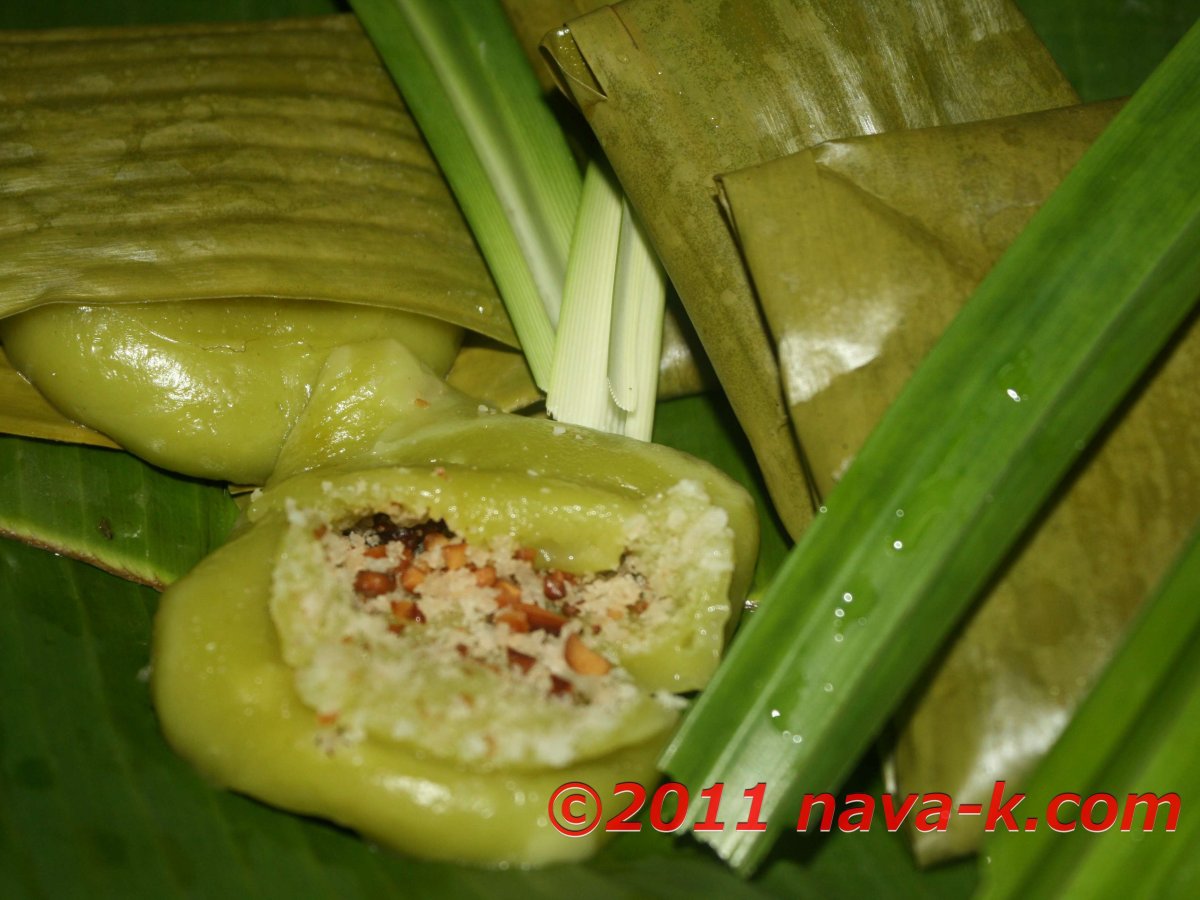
(227, 703)
(376, 405)
(206, 388)
(383, 432)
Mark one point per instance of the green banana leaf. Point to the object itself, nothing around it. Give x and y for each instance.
(94, 804)
(850, 247)
(680, 92)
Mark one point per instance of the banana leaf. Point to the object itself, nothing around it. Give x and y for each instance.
(210, 162)
(532, 20)
(224, 161)
(677, 93)
(23, 411)
(863, 250)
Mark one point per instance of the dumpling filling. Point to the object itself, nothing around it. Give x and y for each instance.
(476, 651)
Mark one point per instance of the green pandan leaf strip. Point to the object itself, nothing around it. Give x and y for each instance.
(471, 90)
(578, 390)
(639, 300)
(1134, 735)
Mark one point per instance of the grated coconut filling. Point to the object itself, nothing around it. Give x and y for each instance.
(400, 628)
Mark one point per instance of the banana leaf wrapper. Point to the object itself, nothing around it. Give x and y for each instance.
(531, 21)
(863, 250)
(372, 149)
(225, 161)
(680, 92)
(453, 756)
(24, 411)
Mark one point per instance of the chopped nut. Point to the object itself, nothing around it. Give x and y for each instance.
(554, 585)
(374, 584)
(515, 619)
(583, 659)
(508, 592)
(543, 619)
(379, 551)
(454, 556)
(525, 554)
(485, 576)
(519, 660)
(407, 610)
(412, 577)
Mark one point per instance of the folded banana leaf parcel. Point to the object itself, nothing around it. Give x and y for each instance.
(680, 92)
(863, 250)
(194, 215)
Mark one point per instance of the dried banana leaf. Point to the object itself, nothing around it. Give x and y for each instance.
(218, 161)
(533, 19)
(862, 251)
(496, 374)
(24, 411)
(679, 92)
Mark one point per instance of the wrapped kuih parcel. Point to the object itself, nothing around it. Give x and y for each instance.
(434, 614)
(197, 215)
(863, 251)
